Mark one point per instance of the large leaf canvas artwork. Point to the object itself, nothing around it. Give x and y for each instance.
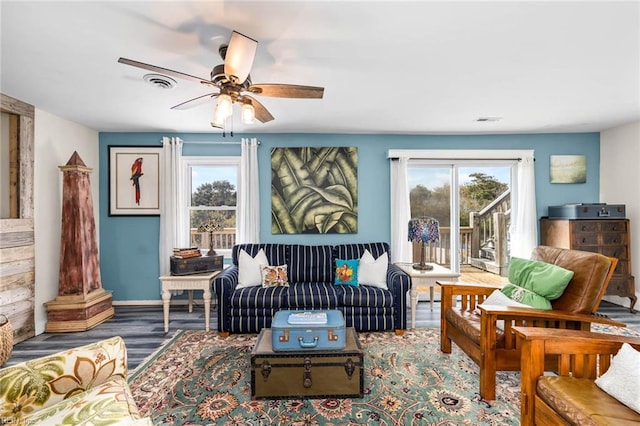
(314, 190)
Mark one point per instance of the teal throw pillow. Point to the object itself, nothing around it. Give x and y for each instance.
(536, 283)
(347, 272)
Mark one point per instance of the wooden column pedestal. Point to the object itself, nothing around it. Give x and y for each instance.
(78, 313)
(81, 303)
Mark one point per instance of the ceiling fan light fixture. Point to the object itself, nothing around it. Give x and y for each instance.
(248, 113)
(216, 124)
(224, 106)
(239, 57)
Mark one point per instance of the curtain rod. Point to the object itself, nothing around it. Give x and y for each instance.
(217, 142)
(462, 159)
(213, 142)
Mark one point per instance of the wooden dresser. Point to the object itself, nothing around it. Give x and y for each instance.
(607, 236)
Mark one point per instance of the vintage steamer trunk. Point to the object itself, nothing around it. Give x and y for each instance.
(297, 337)
(305, 374)
(196, 265)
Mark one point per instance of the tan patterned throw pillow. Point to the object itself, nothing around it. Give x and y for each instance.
(274, 276)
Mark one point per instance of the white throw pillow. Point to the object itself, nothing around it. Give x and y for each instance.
(372, 271)
(498, 298)
(622, 379)
(249, 268)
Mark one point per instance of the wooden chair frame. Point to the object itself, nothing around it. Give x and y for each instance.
(487, 354)
(578, 353)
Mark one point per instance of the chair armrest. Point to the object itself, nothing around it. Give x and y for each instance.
(226, 281)
(466, 287)
(529, 314)
(398, 283)
(469, 294)
(224, 284)
(511, 316)
(54, 378)
(580, 354)
(396, 277)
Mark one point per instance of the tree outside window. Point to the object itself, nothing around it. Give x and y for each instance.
(213, 199)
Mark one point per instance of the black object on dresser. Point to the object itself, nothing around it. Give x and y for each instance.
(607, 236)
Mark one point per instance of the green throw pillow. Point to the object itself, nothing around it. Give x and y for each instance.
(536, 283)
(347, 272)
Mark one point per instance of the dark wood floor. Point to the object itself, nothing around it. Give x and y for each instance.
(142, 329)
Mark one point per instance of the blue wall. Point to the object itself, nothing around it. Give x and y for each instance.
(129, 245)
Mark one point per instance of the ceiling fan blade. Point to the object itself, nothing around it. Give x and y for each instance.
(165, 71)
(287, 91)
(262, 114)
(200, 100)
(239, 57)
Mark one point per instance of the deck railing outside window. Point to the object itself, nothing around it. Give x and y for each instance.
(222, 240)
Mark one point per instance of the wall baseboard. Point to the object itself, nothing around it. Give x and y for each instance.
(174, 302)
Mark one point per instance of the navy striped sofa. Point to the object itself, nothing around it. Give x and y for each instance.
(311, 276)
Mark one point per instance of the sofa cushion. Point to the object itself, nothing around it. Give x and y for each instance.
(276, 253)
(109, 403)
(310, 264)
(321, 295)
(373, 271)
(355, 251)
(366, 296)
(347, 272)
(274, 276)
(585, 289)
(259, 297)
(581, 402)
(498, 298)
(536, 283)
(368, 318)
(468, 322)
(249, 268)
(622, 379)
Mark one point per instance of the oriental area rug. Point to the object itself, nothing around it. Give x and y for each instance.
(198, 378)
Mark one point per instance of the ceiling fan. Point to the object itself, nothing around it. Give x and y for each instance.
(233, 83)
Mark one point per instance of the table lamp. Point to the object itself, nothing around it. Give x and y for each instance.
(210, 227)
(423, 230)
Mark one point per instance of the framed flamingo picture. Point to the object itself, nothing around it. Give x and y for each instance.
(134, 180)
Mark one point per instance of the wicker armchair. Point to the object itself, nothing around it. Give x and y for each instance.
(486, 334)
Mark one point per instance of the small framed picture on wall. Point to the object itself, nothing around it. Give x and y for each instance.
(134, 180)
(568, 169)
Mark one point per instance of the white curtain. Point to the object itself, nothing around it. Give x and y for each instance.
(400, 211)
(524, 224)
(174, 225)
(248, 208)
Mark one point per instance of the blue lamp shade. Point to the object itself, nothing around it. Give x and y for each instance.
(424, 230)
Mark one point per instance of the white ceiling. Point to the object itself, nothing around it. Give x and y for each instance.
(387, 67)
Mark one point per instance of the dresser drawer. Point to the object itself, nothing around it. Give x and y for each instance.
(619, 252)
(585, 239)
(585, 226)
(613, 238)
(622, 268)
(621, 286)
(614, 226)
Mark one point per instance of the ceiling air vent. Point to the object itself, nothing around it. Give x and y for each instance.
(160, 81)
(487, 119)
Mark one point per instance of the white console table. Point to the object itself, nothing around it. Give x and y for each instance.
(421, 280)
(187, 282)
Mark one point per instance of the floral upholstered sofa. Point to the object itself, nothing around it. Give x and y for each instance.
(376, 301)
(81, 386)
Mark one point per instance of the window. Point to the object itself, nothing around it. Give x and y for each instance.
(523, 221)
(212, 191)
(454, 192)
